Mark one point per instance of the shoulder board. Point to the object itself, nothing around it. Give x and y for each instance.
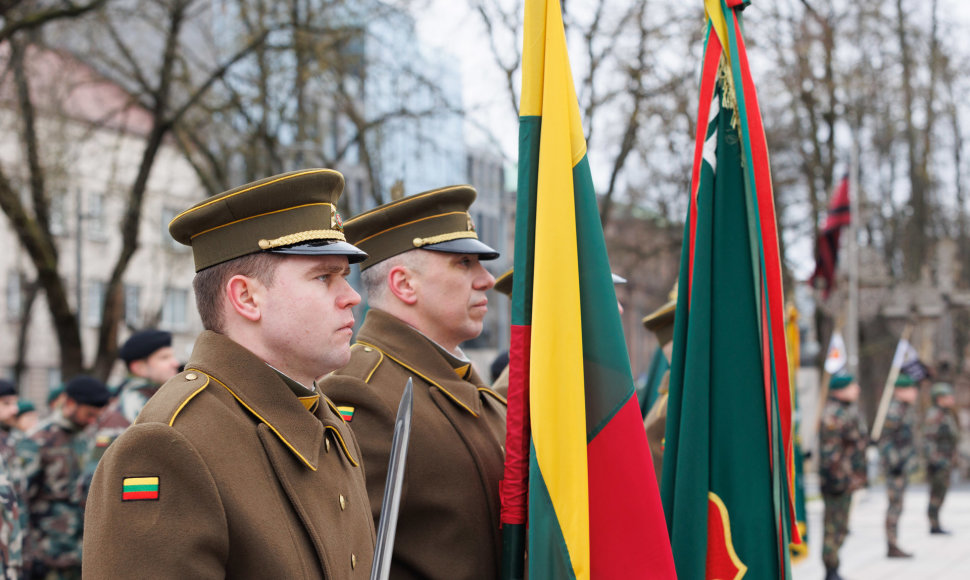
(173, 396)
(364, 360)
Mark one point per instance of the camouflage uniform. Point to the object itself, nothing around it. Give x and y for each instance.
(898, 451)
(11, 534)
(940, 434)
(52, 465)
(842, 469)
(116, 418)
(14, 517)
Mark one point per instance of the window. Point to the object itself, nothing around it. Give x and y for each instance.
(94, 303)
(132, 295)
(53, 378)
(95, 217)
(59, 212)
(15, 296)
(174, 309)
(168, 214)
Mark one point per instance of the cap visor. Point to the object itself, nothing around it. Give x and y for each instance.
(464, 246)
(324, 248)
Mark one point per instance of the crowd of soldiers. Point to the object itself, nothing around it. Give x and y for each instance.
(843, 440)
(47, 465)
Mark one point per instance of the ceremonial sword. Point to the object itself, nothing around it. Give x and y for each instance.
(391, 504)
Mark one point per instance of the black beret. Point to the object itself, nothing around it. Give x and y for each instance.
(143, 343)
(7, 388)
(88, 390)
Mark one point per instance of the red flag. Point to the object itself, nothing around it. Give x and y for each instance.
(827, 250)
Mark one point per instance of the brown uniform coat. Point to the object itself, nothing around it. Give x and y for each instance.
(251, 484)
(448, 526)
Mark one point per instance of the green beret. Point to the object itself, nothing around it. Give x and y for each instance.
(435, 220)
(941, 389)
(840, 381)
(904, 380)
(54, 393)
(24, 407)
(291, 213)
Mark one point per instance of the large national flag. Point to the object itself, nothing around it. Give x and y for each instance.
(726, 483)
(593, 505)
(827, 250)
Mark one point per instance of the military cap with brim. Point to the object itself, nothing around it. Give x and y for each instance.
(290, 213)
(661, 320)
(88, 390)
(503, 283)
(436, 220)
(7, 388)
(143, 344)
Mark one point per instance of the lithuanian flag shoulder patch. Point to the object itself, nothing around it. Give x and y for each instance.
(139, 488)
(346, 412)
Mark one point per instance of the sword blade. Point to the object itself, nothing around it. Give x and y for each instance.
(391, 504)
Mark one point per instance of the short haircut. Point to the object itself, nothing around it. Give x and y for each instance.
(374, 279)
(210, 284)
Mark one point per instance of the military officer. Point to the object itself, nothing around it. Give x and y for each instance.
(842, 464)
(150, 361)
(426, 288)
(238, 467)
(898, 452)
(941, 432)
(51, 456)
(661, 323)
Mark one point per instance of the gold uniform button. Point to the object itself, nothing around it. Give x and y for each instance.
(343, 502)
(191, 377)
(367, 349)
(353, 561)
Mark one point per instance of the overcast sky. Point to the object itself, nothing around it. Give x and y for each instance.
(448, 25)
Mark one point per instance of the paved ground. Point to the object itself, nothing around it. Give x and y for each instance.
(864, 552)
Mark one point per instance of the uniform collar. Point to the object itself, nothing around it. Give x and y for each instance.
(419, 354)
(261, 390)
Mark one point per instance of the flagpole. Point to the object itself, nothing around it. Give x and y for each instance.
(887, 389)
(852, 314)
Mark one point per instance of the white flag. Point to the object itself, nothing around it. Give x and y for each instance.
(836, 358)
(905, 354)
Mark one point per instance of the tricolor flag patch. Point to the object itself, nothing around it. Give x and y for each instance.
(347, 413)
(139, 488)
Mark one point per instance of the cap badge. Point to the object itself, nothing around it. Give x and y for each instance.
(335, 222)
(471, 226)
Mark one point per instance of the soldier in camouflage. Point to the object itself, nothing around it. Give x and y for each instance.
(11, 488)
(898, 452)
(150, 360)
(842, 464)
(940, 435)
(52, 465)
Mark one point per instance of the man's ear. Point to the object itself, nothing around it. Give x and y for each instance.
(138, 367)
(401, 283)
(244, 295)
